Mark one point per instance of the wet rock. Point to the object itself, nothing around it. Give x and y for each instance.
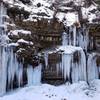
(76, 57)
(98, 61)
(39, 5)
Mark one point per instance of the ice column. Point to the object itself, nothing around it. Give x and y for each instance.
(79, 68)
(92, 69)
(64, 39)
(34, 75)
(66, 65)
(46, 59)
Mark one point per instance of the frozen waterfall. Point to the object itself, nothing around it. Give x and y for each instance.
(76, 37)
(34, 75)
(75, 65)
(12, 71)
(93, 69)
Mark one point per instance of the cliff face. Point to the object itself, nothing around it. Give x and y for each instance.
(36, 25)
(48, 9)
(46, 20)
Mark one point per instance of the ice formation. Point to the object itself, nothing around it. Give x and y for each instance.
(75, 63)
(34, 75)
(76, 37)
(93, 69)
(11, 71)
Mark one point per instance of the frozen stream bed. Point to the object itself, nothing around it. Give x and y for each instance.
(76, 91)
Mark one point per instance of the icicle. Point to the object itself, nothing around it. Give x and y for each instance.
(3, 72)
(11, 68)
(83, 38)
(14, 69)
(64, 39)
(70, 39)
(92, 69)
(79, 68)
(1, 13)
(66, 65)
(34, 75)
(75, 72)
(74, 36)
(46, 59)
(3, 54)
(19, 73)
(58, 68)
(83, 66)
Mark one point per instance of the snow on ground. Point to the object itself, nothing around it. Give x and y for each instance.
(76, 91)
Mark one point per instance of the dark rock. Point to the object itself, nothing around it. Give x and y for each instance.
(39, 5)
(76, 57)
(25, 1)
(98, 61)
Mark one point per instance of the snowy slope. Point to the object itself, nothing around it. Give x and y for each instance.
(48, 8)
(76, 91)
